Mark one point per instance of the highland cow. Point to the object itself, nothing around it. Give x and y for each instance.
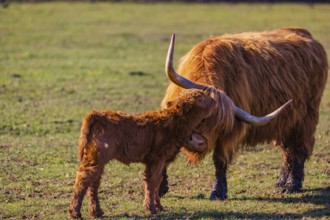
(256, 72)
(152, 138)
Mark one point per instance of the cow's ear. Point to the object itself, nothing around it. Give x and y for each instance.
(202, 101)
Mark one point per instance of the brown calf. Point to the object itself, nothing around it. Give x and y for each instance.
(152, 138)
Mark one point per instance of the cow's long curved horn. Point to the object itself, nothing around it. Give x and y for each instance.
(187, 84)
(259, 121)
(175, 77)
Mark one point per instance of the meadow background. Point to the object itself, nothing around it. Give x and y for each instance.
(58, 61)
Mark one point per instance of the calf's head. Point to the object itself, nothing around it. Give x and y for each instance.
(196, 106)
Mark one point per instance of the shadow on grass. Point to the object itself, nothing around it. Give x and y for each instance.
(321, 196)
(317, 213)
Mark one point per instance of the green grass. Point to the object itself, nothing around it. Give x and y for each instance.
(59, 61)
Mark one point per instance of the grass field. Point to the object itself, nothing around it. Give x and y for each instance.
(59, 61)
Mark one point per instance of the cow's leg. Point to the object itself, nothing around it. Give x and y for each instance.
(296, 150)
(296, 174)
(151, 183)
(94, 208)
(163, 188)
(292, 171)
(85, 175)
(284, 173)
(219, 191)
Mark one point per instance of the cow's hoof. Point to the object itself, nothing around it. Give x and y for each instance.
(292, 186)
(218, 196)
(291, 189)
(280, 182)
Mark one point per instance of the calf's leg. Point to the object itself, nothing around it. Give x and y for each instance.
(85, 175)
(158, 206)
(151, 183)
(94, 208)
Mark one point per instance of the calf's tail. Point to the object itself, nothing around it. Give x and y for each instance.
(84, 134)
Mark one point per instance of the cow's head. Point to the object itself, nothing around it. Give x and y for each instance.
(224, 113)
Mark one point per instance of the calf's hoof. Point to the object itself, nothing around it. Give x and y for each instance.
(216, 195)
(96, 213)
(74, 214)
(151, 211)
(159, 208)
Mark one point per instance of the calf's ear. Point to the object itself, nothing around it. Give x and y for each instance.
(169, 104)
(169, 123)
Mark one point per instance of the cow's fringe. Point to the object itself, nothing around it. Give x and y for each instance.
(224, 117)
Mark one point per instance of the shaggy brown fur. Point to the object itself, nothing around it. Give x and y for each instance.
(258, 72)
(152, 138)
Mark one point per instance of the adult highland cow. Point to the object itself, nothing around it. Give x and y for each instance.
(256, 72)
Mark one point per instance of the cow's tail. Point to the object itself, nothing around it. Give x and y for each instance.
(84, 134)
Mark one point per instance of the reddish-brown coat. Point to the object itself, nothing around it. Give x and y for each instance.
(152, 138)
(259, 72)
